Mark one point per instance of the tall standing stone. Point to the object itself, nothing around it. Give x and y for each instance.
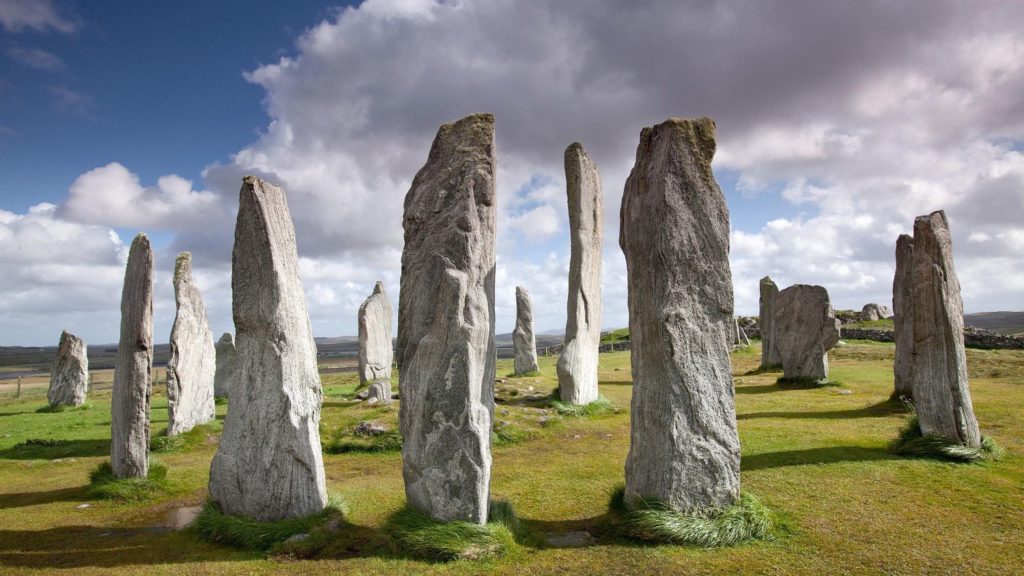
(224, 376)
(523, 340)
(375, 353)
(903, 322)
(446, 353)
(193, 362)
(806, 328)
(684, 448)
(766, 310)
(69, 375)
(129, 403)
(577, 365)
(269, 465)
(941, 394)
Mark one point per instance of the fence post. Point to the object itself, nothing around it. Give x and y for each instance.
(18, 393)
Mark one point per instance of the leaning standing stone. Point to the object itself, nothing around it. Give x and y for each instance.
(375, 354)
(69, 375)
(577, 365)
(941, 395)
(806, 328)
(903, 322)
(129, 409)
(269, 465)
(193, 362)
(874, 311)
(766, 311)
(684, 448)
(446, 351)
(224, 376)
(523, 340)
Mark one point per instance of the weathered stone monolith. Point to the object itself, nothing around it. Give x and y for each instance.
(379, 391)
(806, 328)
(874, 311)
(577, 365)
(765, 319)
(446, 354)
(193, 362)
(69, 374)
(684, 449)
(523, 340)
(375, 353)
(224, 376)
(903, 321)
(941, 394)
(129, 403)
(269, 465)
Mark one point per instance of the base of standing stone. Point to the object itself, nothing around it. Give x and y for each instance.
(912, 443)
(104, 485)
(803, 383)
(599, 407)
(423, 537)
(212, 525)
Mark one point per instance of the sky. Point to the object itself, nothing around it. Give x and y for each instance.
(838, 123)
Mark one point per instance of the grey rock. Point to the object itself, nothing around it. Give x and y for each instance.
(379, 391)
(903, 321)
(577, 364)
(269, 465)
(523, 340)
(193, 361)
(446, 353)
(874, 312)
(375, 353)
(684, 448)
(370, 429)
(941, 393)
(297, 538)
(224, 375)
(69, 375)
(129, 403)
(766, 311)
(806, 328)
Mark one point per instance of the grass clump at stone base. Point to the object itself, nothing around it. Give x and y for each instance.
(746, 520)
(508, 434)
(342, 442)
(212, 525)
(104, 485)
(62, 408)
(423, 537)
(600, 407)
(194, 438)
(911, 442)
(800, 383)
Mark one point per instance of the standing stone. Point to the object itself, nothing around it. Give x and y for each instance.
(941, 395)
(684, 448)
(766, 311)
(224, 376)
(806, 328)
(269, 465)
(523, 340)
(739, 335)
(379, 391)
(375, 354)
(874, 311)
(193, 362)
(446, 354)
(129, 403)
(577, 365)
(903, 322)
(69, 375)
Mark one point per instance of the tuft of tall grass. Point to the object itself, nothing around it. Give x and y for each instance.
(104, 485)
(508, 434)
(212, 525)
(194, 438)
(911, 442)
(600, 407)
(424, 537)
(342, 442)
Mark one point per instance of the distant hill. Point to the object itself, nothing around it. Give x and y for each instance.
(1003, 322)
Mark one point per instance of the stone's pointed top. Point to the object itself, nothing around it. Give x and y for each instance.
(575, 149)
(700, 132)
(378, 288)
(767, 280)
(227, 337)
(140, 239)
(938, 214)
(521, 290)
(183, 267)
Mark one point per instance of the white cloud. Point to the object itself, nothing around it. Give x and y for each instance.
(37, 15)
(536, 224)
(36, 58)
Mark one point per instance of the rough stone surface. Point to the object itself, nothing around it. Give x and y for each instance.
(941, 394)
(379, 391)
(69, 375)
(129, 403)
(375, 354)
(806, 328)
(193, 361)
(766, 310)
(446, 352)
(577, 364)
(269, 465)
(674, 230)
(224, 376)
(523, 340)
(903, 321)
(874, 312)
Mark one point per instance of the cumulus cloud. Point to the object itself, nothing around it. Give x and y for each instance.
(37, 15)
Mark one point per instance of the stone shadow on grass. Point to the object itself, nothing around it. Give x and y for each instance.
(47, 449)
(21, 499)
(813, 456)
(758, 389)
(879, 410)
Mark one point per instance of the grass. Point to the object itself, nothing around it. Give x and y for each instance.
(423, 537)
(509, 434)
(212, 525)
(600, 407)
(345, 443)
(62, 408)
(103, 485)
(185, 441)
(620, 335)
(804, 383)
(530, 374)
(910, 442)
(880, 324)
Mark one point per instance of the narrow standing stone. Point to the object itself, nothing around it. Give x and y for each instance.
(941, 394)
(446, 351)
(806, 328)
(684, 448)
(375, 353)
(766, 310)
(903, 322)
(69, 375)
(129, 410)
(269, 465)
(523, 340)
(224, 376)
(577, 365)
(193, 362)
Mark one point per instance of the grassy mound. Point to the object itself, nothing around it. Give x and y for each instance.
(509, 434)
(342, 442)
(104, 485)
(911, 442)
(599, 407)
(804, 383)
(424, 537)
(194, 438)
(745, 521)
(530, 374)
(62, 408)
(212, 525)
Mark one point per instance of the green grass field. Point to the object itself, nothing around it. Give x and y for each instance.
(817, 457)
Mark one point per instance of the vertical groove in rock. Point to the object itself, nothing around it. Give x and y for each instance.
(375, 353)
(765, 318)
(193, 361)
(806, 328)
(69, 375)
(903, 322)
(523, 339)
